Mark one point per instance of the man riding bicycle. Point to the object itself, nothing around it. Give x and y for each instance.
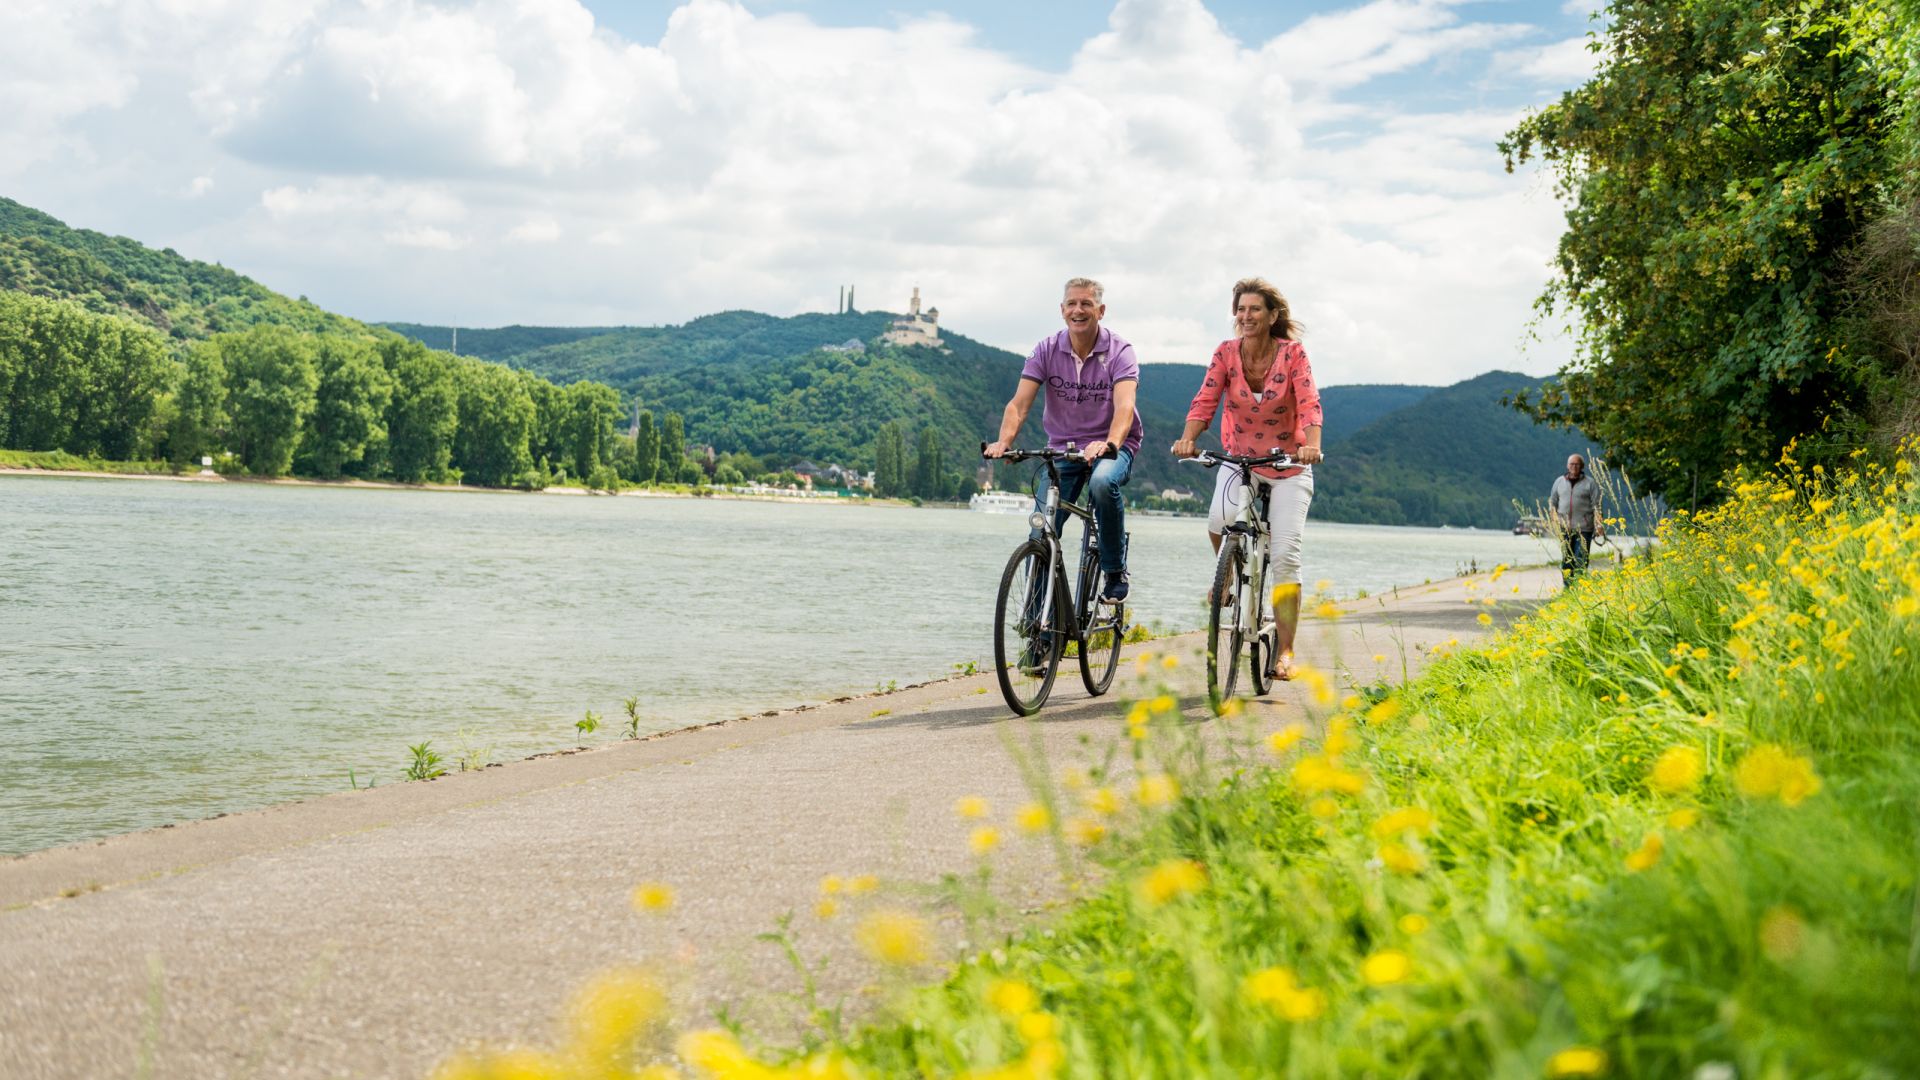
(1091, 379)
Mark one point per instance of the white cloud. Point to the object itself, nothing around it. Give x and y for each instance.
(1564, 64)
(507, 161)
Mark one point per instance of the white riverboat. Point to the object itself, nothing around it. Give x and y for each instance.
(1001, 502)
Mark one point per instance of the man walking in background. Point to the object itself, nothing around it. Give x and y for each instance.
(1090, 377)
(1573, 511)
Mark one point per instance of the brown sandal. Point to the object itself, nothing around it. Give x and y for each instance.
(1282, 670)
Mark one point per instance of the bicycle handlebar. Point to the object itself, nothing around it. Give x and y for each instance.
(1048, 454)
(1277, 458)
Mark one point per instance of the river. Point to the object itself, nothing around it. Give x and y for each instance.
(170, 651)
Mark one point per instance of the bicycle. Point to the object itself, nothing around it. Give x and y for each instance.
(1036, 616)
(1239, 610)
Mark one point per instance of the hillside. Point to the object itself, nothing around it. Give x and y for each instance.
(113, 275)
(1455, 457)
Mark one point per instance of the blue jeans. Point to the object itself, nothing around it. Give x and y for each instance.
(1575, 550)
(1109, 510)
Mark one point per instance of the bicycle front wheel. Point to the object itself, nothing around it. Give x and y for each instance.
(1027, 637)
(1266, 635)
(1106, 625)
(1224, 637)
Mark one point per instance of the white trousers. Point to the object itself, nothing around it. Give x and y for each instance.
(1287, 501)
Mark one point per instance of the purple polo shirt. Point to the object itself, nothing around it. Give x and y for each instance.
(1078, 398)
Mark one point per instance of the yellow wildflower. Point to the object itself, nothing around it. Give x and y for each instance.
(1170, 662)
(653, 896)
(1683, 819)
(1678, 770)
(1319, 773)
(1577, 1061)
(1277, 989)
(1483, 619)
(1400, 859)
(826, 907)
(865, 883)
(1413, 924)
(1033, 818)
(1323, 808)
(1085, 831)
(1011, 998)
(831, 884)
(1415, 818)
(1383, 711)
(1157, 790)
(894, 937)
(1283, 740)
(1906, 606)
(507, 1065)
(612, 1011)
(1386, 967)
(1768, 771)
(1036, 1027)
(1170, 879)
(1103, 801)
(970, 806)
(719, 1054)
(1327, 609)
(1648, 853)
(1379, 658)
(984, 839)
(1339, 737)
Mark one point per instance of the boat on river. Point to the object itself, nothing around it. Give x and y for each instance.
(1001, 502)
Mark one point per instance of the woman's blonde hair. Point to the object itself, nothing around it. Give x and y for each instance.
(1284, 327)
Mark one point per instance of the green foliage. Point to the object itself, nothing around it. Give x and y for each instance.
(1721, 165)
(496, 419)
(426, 764)
(75, 381)
(673, 449)
(272, 379)
(646, 450)
(200, 421)
(350, 407)
(423, 412)
(499, 345)
(587, 724)
(890, 474)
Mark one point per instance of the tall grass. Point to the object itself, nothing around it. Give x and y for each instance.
(1666, 826)
(60, 459)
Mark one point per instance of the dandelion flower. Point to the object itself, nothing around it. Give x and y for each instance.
(1277, 989)
(1327, 609)
(1483, 619)
(1103, 801)
(1379, 658)
(1768, 771)
(718, 1053)
(826, 907)
(894, 937)
(1033, 818)
(1678, 770)
(831, 884)
(653, 896)
(1170, 880)
(1157, 790)
(970, 806)
(984, 839)
(1323, 808)
(1036, 1028)
(1386, 967)
(1413, 924)
(1170, 662)
(1383, 711)
(1647, 854)
(1683, 819)
(1085, 831)
(1906, 606)
(1577, 1061)
(865, 883)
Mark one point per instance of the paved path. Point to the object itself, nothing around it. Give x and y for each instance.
(369, 934)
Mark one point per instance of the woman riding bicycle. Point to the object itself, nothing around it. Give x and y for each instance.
(1267, 386)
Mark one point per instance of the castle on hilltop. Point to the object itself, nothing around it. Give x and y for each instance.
(915, 327)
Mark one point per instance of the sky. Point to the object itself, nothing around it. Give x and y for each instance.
(645, 162)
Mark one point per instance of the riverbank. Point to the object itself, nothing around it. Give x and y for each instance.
(374, 932)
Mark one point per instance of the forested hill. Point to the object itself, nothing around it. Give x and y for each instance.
(1454, 457)
(112, 275)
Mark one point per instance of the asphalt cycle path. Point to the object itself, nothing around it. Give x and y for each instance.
(373, 933)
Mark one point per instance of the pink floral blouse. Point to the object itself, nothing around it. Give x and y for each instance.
(1257, 423)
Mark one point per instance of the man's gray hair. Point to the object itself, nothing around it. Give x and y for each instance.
(1099, 290)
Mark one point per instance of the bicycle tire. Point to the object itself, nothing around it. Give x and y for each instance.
(1106, 625)
(1026, 650)
(1222, 670)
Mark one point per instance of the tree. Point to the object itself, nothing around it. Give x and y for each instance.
(646, 451)
(929, 474)
(199, 405)
(75, 381)
(1720, 164)
(587, 434)
(350, 406)
(271, 384)
(496, 419)
(890, 478)
(423, 414)
(673, 448)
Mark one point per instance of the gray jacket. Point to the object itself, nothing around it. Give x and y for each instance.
(1576, 503)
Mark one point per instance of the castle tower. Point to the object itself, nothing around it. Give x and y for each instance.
(913, 309)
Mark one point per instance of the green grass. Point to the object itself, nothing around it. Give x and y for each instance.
(60, 459)
(1666, 826)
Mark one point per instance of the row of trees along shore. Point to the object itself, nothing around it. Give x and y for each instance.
(273, 401)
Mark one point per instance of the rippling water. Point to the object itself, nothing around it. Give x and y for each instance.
(170, 651)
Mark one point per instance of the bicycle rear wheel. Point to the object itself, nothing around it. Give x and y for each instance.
(1027, 641)
(1100, 649)
(1224, 638)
